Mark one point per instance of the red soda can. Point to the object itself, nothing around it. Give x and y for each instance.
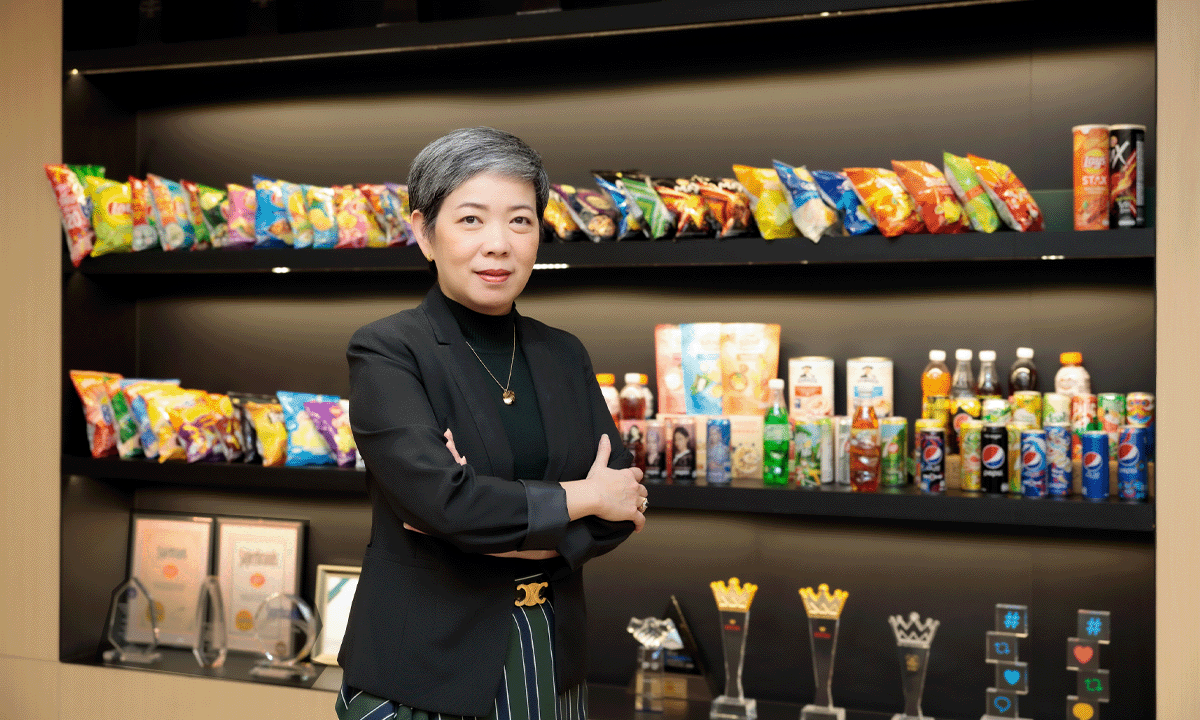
(1083, 412)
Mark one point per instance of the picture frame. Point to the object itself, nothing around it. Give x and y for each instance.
(256, 557)
(171, 555)
(334, 594)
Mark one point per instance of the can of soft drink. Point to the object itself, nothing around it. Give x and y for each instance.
(893, 441)
(1110, 407)
(993, 458)
(970, 441)
(841, 449)
(826, 424)
(1126, 176)
(1027, 407)
(1056, 408)
(1139, 411)
(1014, 455)
(1058, 456)
(1034, 463)
(1094, 449)
(932, 442)
(807, 440)
(1083, 412)
(996, 410)
(719, 467)
(656, 452)
(1133, 475)
(962, 409)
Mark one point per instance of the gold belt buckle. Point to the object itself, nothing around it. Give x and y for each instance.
(533, 594)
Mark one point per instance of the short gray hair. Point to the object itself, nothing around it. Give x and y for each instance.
(451, 160)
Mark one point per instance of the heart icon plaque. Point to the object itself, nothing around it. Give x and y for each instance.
(1083, 656)
(1003, 650)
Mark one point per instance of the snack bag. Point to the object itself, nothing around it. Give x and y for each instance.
(659, 219)
(963, 181)
(243, 209)
(682, 198)
(389, 214)
(332, 420)
(700, 345)
(128, 441)
(160, 401)
(936, 200)
(132, 389)
(768, 202)
(351, 209)
(203, 428)
(191, 191)
(838, 192)
(271, 226)
(557, 217)
(145, 224)
(97, 410)
(894, 211)
(297, 213)
(244, 424)
(321, 214)
(728, 204)
(1012, 201)
(270, 432)
(809, 212)
(112, 218)
(76, 221)
(213, 207)
(305, 446)
(406, 234)
(174, 218)
(630, 225)
(749, 358)
(593, 212)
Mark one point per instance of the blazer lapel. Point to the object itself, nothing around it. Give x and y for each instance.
(549, 382)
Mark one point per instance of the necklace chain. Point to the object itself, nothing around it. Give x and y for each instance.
(508, 395)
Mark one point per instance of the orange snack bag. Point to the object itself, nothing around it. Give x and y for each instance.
(1013, 203)
(101, 423)
(940, 209)
(893, 209)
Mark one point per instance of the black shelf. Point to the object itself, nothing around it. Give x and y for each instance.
(247, 476)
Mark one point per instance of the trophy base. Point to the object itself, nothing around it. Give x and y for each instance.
(284, 671)
(137, 657)
(1000, 717)
(822, 712)
(902, 716)
(727, 708)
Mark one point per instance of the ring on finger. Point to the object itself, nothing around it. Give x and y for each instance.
(644, 504)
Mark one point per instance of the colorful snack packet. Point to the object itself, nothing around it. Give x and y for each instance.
(86, 174)
(332, 420)
(387, 212)
(271, 226)
(213, 206)
(935, 199)
(112, 217)
(146, 231)
(128, 440)
(809, 212)
(76, 221)
(203, 428)
(297, 214)
(963, 181)
(1012, 201)
(728, 204)
(557, 218)
(322, 215)
(160, 401)
(659, 218)
(243, 209)
(351, 209)
(171, 206)
(593, 212)
(305, 446)
(132, 389)
(630, 225)
(244, 424)
(406, 234)
(270, 432)
(894, 211)
(838, 192)
(682, 198)
(97, 410)
(196, 215)
(768, 201)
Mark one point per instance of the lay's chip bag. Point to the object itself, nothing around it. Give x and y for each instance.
(838, 192)
(940, 210)
(768, 201)
(272, 229)
(97, 410)
(270, 432)
(192, 192)
(240, 216)
(892, 208)
(146, 230)
(171, 210)
(112, 216)
(321, 214)
(305, 446)
(809, 212)
(1012, 201)
(961, 177)
(72, 204)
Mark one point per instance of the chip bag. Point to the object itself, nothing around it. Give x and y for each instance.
(351, 208)
(213, 206)
(97, 410)
(401, 193)
(171, 208)
(965, 184)
(939, 207)
(244, 423)
(592, 212)
(1013, 203)
(272, 229)
(305, 446)
(682, 198)
(630, 225)
(388, 212)
(838, 192)
(768, 201)
(557, 217)
(72, 204)
(270, 432)
(112, 218)
(728, 204)
(322, 216)
(809, 212)
(243, 209)
(659, 218)
(132, 389)
(128, 439)
(191, 191)
(892, 208)
(160, 401)
(146, 230)
(332, 420)
(203, 427)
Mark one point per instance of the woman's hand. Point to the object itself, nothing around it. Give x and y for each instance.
(453, 450)
(613, 495)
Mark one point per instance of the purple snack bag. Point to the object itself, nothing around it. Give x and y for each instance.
(332, 420)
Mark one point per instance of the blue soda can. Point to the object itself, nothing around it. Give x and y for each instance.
(1034, 463)
(1133, 474)
(1094, 454)
(932, 444)
(1058, 458)
(719, 470)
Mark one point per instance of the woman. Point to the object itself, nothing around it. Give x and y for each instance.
(493, 465)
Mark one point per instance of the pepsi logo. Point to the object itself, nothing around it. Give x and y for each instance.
(1032, 459)
(993, 457)
(932, 453)
(1092, 461)
(1128, 454)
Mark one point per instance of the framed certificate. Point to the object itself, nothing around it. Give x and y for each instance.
(334, 594)
(170, 555)
(256, 558)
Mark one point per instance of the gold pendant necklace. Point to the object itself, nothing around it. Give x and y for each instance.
(508, 396)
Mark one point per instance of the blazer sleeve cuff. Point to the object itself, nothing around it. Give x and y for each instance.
(548, 516)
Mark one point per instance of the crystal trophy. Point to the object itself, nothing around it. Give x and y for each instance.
(654, 637)
(1083, 656)
(277, 622)
(823, 611)
(132, 625)
(733, 602)
(1003, 651)
(211, 641)
(913, 638)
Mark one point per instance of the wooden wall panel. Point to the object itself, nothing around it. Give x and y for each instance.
(29, 689)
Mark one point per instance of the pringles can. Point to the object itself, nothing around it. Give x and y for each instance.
(1090, 170)
(1133, 474)
(719, 461)
(1094, 449)
(1058, 457)
(1139, 411)
(970, 438)
(893, 441)
(1126, 176)
(1056, 408)
(993, 458)
(1034, 464)
(932, 442)
(1027, 407)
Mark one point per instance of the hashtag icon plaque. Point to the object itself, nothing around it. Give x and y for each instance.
(1003, 649)
(1083, 656)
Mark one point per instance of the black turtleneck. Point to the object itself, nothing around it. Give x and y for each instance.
(491, 337)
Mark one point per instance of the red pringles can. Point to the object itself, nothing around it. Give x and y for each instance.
(1090, 170)
(1126, 176)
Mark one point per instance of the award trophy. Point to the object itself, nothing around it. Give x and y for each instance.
(1012, 675)
(653, 636)
(1083, 655)
(132, 625)
(913, 638)
(823, 612)
(276, 622)
(211, 641)
(733, 601)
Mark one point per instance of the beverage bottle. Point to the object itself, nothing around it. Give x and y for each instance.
(644, 379)
(775, 436)
(1072, 379)
(935, 380)
(1023, 375)
(608, 388)
(962, 384)
(864, 441)
(964, 404)
(989, 379)
(633, 399)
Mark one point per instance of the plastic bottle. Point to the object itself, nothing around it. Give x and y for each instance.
(864, 441)
(633, 398)
(644, 379)
(963, 382)
(775, 436)
(1072, 378)
(989, 380)
(608, 388)
(935, 380)
(1023, 375)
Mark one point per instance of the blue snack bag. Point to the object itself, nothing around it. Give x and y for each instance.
(837, 190)
(813, 218)
(701, 359)
(630, 225)
(131, 389)
(272, 226)
(305, 446)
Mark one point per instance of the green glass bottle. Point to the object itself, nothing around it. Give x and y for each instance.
(775, 437)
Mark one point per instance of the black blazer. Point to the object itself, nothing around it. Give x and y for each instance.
(430, 622)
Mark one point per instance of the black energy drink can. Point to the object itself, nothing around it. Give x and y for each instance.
(1126, 176)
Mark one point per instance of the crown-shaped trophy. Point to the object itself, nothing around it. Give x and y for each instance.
(914, 636)
(733, 600)
(824, 610)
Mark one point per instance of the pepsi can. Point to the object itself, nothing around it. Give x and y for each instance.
(932, 442)
(1132, 473)
(1034, 463)
(993, 458)
(1093, 451)
(1058, 457)
(719, 469)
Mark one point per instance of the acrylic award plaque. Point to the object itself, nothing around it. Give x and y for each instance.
(286, 629)
(1083, 656)
(824, 612)
(654, 637)
(211, 640)
(1003, 651)
(132, 625)
(914, 637)
(733, 602)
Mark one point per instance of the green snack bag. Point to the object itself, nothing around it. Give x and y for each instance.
(658, 217)
(971, 193)
(211, 200)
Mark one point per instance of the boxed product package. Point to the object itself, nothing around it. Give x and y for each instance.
(701, 359)
(668, 363)
(749, 358)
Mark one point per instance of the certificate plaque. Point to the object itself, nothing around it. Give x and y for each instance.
(170, 555)
(334, 594)
(256, 558)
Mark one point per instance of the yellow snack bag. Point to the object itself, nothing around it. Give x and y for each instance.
(159, 403)
(768, 201)
(271, 431)
(112, 215)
